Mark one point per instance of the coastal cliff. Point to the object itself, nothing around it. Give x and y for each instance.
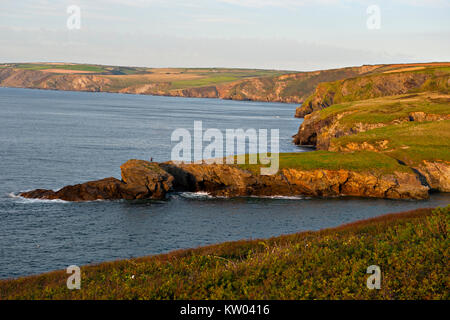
(319, 128)
(412, 129)
(287, 88)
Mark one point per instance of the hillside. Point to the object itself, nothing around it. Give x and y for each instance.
(411, 250)
(235, 84)
(384, 81)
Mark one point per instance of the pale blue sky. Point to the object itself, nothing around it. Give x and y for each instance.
(283, 34)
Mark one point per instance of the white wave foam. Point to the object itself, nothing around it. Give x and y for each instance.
(282, 197)
(21, 199)
(13, 195)
(205, 195)
(196, 195)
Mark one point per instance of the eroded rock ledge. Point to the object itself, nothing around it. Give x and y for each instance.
(145, 180)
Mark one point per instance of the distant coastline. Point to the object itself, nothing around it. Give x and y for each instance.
(221, 83)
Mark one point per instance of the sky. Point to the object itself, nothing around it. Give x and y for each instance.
(298, 35)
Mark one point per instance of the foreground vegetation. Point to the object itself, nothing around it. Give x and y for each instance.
(412, 250)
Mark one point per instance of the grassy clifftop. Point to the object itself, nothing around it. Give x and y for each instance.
(360, 161)
(410, 128)
(411, 250)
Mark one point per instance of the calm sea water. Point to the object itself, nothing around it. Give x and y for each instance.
(49, 139)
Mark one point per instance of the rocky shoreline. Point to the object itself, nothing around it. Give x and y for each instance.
(149, 180)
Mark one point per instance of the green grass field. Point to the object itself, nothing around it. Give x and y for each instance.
(216, 76)
(208, 80)
(387, 109)
(410, 142)
(412, 250)
(363, 161)
(77, 67)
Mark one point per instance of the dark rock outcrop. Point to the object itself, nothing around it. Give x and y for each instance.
(145, 180)
(140, 180)
(105, 189)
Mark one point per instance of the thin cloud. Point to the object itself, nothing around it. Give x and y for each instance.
(277, 3)
(300, 3)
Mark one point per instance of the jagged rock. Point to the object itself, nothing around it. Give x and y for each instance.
(145, 180)
(105, 189)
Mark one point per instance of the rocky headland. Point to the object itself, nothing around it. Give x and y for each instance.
(146, 180)
(383, 134)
